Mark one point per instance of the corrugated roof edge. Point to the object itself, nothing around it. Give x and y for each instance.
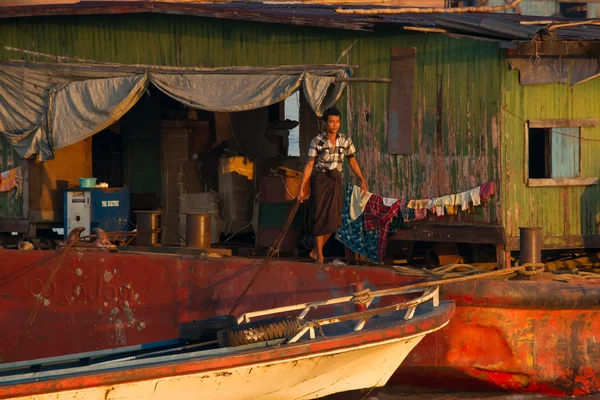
(502, 27)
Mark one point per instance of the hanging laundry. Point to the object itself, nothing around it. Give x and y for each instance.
(486, 190)
(353, 236)
(388, 201)
(420, 208)
(408, 214)
(358, 202)
(378, 217)
(9, 179)
(452, 210)
(440, 203)
(463, 199)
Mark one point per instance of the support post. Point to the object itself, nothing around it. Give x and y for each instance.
(359, 287)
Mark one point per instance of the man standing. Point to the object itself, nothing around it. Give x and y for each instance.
(326, 155)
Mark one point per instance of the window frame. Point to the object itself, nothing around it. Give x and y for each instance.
(557, 123)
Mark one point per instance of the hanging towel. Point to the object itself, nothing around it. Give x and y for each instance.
(420, 208)
(352, 234)
(452, 210)
(9, 179)
(464, 198)
(388, 201)
(486, 190)
(358, 202)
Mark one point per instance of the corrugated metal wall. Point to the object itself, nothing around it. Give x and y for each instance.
(455, 104)
(456, 107)
(560, 211)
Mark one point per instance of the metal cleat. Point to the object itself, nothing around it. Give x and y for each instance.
(101, 242)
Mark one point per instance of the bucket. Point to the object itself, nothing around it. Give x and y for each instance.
(87, 182)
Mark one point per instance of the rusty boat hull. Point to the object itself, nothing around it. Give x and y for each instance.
(520, 336)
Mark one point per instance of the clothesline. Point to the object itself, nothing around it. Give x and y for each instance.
(367, 220)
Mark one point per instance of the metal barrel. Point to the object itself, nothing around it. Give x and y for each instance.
(148, 228)
(530, 245)
(197, 230)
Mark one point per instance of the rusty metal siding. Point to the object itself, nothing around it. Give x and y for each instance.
(560, 211)
(457, 85)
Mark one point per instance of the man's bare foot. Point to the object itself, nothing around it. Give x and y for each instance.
(313, 254)
(320, 261)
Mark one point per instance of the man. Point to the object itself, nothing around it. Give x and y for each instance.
(326, 155)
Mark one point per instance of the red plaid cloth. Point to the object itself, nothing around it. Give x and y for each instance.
(378, 217)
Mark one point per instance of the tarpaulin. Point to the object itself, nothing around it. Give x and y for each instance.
(44, 107)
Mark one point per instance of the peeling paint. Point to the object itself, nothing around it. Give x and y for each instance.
(78, 272)
(120, 333)
(107, 276)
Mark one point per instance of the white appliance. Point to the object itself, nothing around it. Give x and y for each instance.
(78, 211)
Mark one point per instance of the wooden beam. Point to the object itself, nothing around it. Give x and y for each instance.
(14, 225)
(425, 232)
(544, 182)
(560, 242)
(562, 123)
(377, 80)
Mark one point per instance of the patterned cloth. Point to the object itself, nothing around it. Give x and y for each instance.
(378, 217)
(486, 190)
(11, 179)
(352, 234)
(328, 157)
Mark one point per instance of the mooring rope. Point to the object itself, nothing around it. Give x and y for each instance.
(528, 269)
(273, 251)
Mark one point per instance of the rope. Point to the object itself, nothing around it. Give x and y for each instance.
(576, 275)
(405, 10)
(554, 132)
(274, 250)
(527, 269)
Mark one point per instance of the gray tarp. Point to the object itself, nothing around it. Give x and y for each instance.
(555, 70)
(585, 69)
(44, 107)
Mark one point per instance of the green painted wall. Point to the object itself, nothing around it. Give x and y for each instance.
(456, 101)
(560, 211)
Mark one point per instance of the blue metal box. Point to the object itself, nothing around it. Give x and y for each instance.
(106, 208)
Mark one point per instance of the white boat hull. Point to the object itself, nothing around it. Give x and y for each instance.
(307, 377)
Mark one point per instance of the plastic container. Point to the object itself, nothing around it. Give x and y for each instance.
(87, 182)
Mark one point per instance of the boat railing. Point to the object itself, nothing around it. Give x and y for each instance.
(430, 293)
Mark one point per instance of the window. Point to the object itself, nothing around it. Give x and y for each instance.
(573, 10)
(553, 152)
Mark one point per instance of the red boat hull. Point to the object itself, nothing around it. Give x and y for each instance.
(515, 335)
(54, 303)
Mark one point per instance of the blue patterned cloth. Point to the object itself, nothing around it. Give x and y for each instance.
(352, 234)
